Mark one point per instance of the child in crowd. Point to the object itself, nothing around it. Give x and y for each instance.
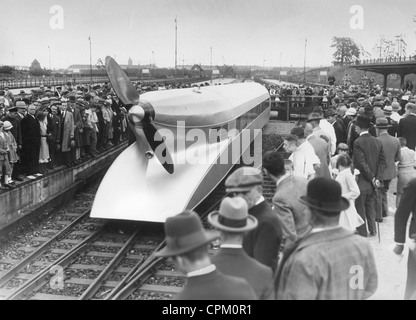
(5, 170)
(12, 145)
(349, 219)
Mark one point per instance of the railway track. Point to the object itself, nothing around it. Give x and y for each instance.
(73, 257)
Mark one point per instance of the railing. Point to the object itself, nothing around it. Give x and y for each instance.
(296, 107)
(53, 82)
(387, 60)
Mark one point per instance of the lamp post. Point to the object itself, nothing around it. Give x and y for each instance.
(49, 48)
(176, 44)
(280, 65)
(89, 38)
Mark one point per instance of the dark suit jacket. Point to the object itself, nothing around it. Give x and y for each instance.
(235, 262)
(263, 243)
(407, 129)
(30, 129)
(369, 158)
(340, 131)
(406, 207)
(392, 151)
(216, 286)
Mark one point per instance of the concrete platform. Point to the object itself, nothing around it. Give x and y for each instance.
(35, 196)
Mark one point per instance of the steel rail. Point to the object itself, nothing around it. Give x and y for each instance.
(19, 266)
(93, 288)
(151, 262)
(41, 278)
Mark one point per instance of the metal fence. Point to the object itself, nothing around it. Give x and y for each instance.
(296, 107)
(53, 82)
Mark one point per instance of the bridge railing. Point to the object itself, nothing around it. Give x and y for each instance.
(388, 60)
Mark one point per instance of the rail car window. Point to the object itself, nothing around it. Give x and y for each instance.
(251, 115)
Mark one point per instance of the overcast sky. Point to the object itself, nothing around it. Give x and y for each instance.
(241, 32)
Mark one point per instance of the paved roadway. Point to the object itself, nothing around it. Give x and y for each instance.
(392, 272)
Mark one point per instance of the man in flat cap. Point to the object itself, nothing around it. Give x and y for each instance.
(187, 245)
(233, 222)
(262, 243)
(330, 262)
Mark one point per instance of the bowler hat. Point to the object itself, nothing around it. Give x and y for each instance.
(363, 122)
(368, 111)
(243, 179)
(351, 112)
(388, 110)
(326, 195)
(330, 112)
(21, 105)
(184, 233)
(396, 106)
(7, 125)
(314, 116)
(233, 216)
(382, 123)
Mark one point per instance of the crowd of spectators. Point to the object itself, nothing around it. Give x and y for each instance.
(44, 129)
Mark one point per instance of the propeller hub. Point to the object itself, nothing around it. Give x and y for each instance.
(136, 114)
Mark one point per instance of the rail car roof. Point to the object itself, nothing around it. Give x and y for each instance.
(205, 106)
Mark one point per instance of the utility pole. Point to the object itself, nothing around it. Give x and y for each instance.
(153, 68)
(211, 62)
(49, 48)
(89, 38)
(176, 43)
(280, 65)
(304, 63)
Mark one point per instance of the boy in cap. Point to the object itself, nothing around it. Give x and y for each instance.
(321, 265)
(233, 222)
(262, 243)
(187, 245)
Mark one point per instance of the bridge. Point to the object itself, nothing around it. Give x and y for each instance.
(398, 65)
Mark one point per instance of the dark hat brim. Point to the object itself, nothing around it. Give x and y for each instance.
(169, 252)
(342, 205)
(213, 220)
(383, 126)
(314, 119)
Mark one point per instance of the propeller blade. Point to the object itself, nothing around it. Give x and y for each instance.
(164, 157)
(121, 82)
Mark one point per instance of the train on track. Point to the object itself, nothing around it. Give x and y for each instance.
(187, 141)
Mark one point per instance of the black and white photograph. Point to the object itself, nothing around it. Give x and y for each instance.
(177, 150)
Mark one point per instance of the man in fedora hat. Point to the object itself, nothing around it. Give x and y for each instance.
(233, 222)
(369, 159)
(292, 213)
(392, 153)
(187, 244)
(262, 243)
(323, 264)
